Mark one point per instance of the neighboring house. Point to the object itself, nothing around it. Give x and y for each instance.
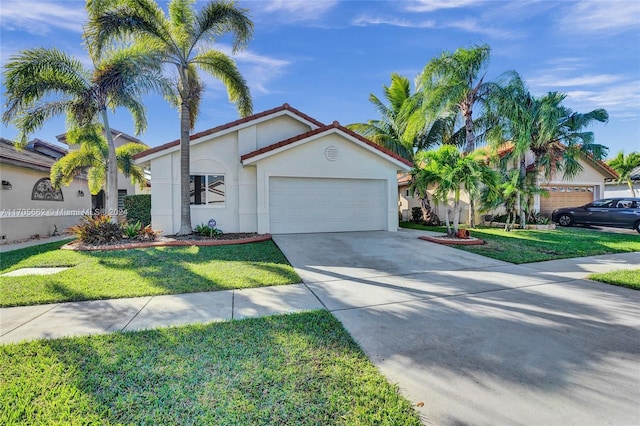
(125, 187)
(614, 189)
(278, 171)
(587, 186)
(29, 206)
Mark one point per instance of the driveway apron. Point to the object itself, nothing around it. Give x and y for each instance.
(480, 341)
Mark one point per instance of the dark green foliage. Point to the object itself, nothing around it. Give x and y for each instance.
(416, 214)
(207, 231)
(131, 230)
(138, 208)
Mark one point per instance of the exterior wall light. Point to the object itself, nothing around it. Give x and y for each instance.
(6, 185)
(80, 193)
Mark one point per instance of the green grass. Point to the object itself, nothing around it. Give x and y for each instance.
(140, 272)
(299, 369)
(624, 278)
(524, 246)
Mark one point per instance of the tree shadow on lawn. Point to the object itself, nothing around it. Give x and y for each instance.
(156, 271)
(295, 369)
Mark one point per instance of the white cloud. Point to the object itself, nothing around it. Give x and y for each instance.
(258, 70)
(363, 21)
(584, 80)
(433, 5)
(600, 17)
(297, 10)
(620, 98)
(42, 17)
(473, 25)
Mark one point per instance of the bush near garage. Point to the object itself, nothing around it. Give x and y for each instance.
(138, 208)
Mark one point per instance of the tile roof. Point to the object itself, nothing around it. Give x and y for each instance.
(334, 125)
(229, 125)
(24, 157)
(635, 174)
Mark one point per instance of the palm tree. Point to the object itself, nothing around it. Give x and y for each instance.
(45, 83)
(545, 127)
(455, 83)
(181, 39)
(454, 173)
(402, 131)
(624, 165)
(93, 157)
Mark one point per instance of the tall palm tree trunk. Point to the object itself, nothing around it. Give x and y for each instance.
(185, 202)
(523, 172)
(111, 192)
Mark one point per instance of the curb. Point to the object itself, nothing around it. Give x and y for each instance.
(450, 242)
(257, 239)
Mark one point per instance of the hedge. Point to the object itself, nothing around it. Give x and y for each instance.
(138, 208)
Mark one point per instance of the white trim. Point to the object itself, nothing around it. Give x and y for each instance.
(332, 130)
(223, 132)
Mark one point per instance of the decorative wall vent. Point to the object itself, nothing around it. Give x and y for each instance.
(331, 153)
(43, 190)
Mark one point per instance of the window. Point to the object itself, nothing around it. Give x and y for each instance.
(43, 190)
(206, 190)
(121, 194)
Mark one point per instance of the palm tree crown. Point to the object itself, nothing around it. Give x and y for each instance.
(181, 38)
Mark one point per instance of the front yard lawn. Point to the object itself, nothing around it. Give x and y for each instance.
(624, 278)
(140, 272)
(299, 369)
(524, 246)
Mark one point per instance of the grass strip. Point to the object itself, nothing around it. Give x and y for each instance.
(530, 245)
(624, 278)
(298, 369)
(140, 272)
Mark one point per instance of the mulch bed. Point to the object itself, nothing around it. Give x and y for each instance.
(183, 240)
(471, 241)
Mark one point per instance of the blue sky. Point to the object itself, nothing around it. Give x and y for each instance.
(325, 57)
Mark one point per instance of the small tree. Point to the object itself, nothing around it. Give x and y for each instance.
(454, 173)
(624, 165)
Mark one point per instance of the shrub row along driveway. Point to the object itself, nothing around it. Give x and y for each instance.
(481, 341)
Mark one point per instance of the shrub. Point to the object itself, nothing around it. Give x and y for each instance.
(147, 233)
(97, 230)
(207, 231)
(416, 214)
(132, 230)
(540, 219)
(138, 208)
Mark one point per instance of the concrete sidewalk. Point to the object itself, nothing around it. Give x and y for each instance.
(103, 316)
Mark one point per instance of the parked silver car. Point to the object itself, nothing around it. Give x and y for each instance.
(614, 212)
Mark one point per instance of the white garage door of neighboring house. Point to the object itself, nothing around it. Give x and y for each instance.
(565, 196)
(299, 205)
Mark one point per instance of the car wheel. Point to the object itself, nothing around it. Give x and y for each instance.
(636, 226)
(565, 220)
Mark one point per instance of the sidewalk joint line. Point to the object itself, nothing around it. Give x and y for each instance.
(136, 314)
(28, 321)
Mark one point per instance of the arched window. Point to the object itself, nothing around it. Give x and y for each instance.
(43, 190)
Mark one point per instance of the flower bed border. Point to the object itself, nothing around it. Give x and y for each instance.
(453, 242)
(170, 243)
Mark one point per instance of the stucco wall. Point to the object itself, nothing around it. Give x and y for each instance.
(217, 155)
(21, 217)
(620, 190)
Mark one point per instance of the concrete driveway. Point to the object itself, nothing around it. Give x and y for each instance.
(480, 341)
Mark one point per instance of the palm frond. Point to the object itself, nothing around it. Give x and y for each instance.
(219, 18)
(224, 69)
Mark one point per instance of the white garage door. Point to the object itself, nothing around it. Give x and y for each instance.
(298, 205)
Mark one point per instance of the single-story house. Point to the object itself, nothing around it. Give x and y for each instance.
(587, 186)
(30, 207)
(614, 189)
(278, 171)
